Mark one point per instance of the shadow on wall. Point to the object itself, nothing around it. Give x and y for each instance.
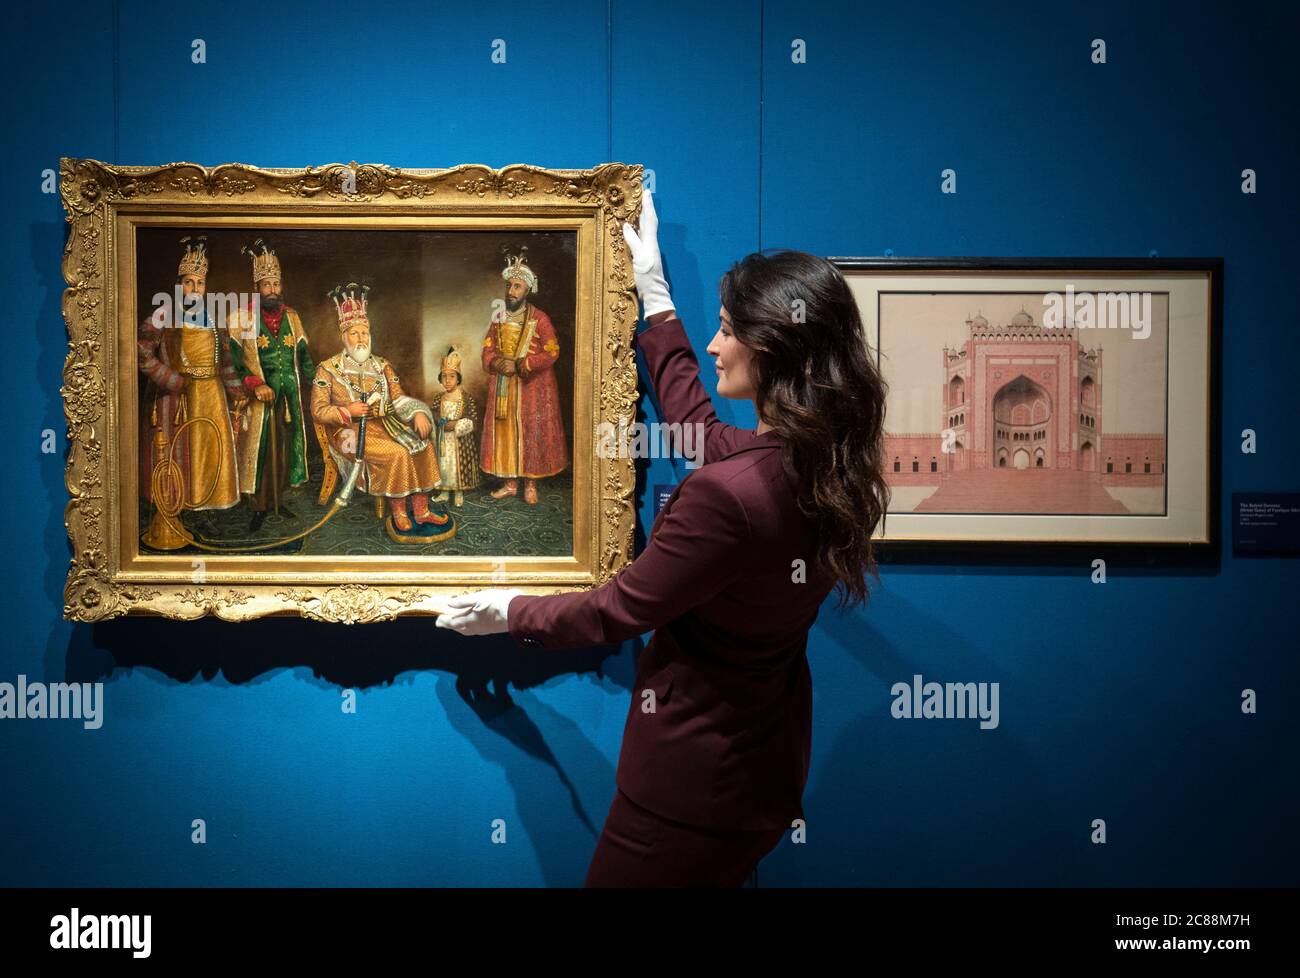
(508, 736)
(352, 657)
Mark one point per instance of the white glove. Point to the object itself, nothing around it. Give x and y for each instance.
(647, 263)
(463, 427)
(482, 613)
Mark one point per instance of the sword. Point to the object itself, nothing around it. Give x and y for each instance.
(345, 494)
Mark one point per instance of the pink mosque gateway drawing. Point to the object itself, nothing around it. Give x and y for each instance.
(1020, 408)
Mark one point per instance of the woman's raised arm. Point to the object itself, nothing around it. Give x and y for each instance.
(666, 351)
(674, 372)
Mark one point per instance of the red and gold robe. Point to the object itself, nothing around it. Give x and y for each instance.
(523, 431)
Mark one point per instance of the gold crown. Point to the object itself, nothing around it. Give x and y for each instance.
(350, 308)
(195, 260)
(451, 361)
(515, 268)
(265, 265)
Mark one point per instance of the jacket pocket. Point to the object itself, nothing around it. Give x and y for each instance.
(661, 682)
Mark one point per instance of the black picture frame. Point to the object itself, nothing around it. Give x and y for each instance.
(1204, 554)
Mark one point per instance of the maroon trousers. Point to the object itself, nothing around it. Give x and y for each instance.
(638, 848)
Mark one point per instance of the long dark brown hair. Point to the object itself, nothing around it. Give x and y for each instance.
(817, 386)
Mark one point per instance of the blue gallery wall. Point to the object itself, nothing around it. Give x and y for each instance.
(1118, 701)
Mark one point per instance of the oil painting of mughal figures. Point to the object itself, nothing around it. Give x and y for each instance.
(313, 391)
(344, 391)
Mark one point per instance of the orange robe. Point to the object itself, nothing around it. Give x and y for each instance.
(397, 461)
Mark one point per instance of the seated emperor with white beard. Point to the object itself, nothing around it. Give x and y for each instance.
(399, 459)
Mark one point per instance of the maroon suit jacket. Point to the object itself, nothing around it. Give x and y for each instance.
(728, 742)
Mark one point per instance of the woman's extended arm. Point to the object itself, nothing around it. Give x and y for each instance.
(703, 541)
(665, 350)
(674, 371)
(702, 544)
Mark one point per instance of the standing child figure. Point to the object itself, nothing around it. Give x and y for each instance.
(457, 437)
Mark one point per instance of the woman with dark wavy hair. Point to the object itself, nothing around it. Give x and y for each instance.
(792, 319)
(718, 736)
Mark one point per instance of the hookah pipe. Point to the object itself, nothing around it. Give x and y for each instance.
(168, 470)
(168, 511)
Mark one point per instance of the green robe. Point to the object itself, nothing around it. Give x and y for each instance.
(282, 366)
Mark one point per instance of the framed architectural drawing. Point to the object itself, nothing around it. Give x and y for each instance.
(1056, 401)
(343, 392)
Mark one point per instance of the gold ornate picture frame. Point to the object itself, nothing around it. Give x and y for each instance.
(118, 217)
